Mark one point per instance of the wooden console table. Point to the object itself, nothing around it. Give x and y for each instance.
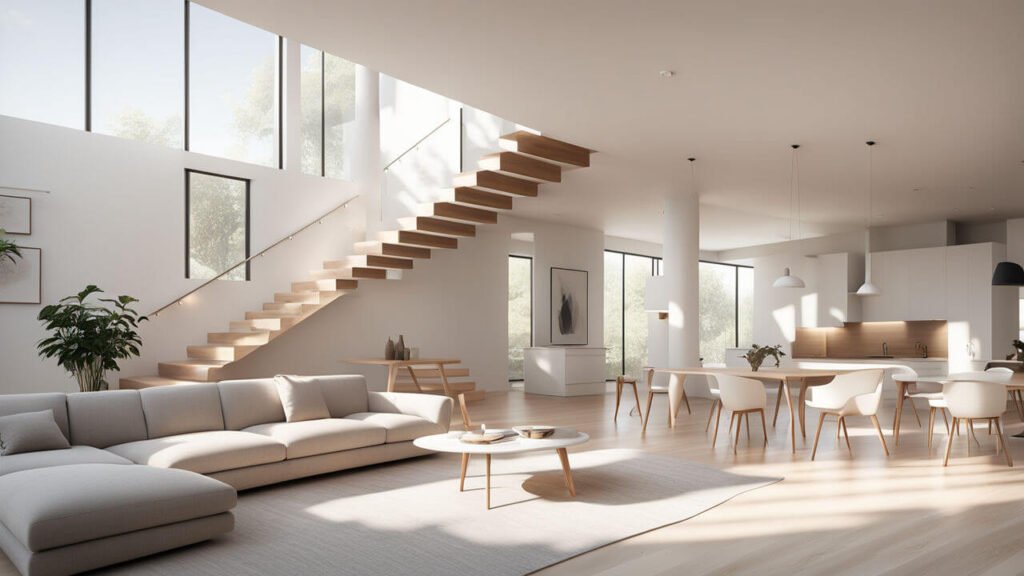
(394, 366)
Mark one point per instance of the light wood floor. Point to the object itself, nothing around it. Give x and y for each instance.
(837, 516)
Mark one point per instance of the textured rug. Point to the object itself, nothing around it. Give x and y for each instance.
(409, 517)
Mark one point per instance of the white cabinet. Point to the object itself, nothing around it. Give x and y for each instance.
(926, 284)
(836, 278)
(969, 303)
(564, 370)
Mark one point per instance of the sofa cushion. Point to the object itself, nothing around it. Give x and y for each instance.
(30, 432)
(56, 401)
(344, 394)
(62, 506)
(250, 402)
(301, 398)
(399, 427)
(49, 458)
(204, 452)
(172, 410)
(103, 419)
(313, 437)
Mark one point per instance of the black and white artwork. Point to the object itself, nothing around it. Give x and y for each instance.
(568, 307)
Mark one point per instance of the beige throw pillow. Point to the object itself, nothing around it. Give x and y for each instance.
(301, 398)
(30, 432)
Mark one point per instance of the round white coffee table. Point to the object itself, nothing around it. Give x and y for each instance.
(559, 441)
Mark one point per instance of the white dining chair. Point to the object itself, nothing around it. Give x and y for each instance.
(741, 396)
(716, 399)
(653, 389)
(852, 394)
(937, 400)
(970, 400)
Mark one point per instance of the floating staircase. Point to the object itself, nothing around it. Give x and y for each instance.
(526, 161)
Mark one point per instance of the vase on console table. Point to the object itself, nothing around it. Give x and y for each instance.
(400, 348)
(389, 350)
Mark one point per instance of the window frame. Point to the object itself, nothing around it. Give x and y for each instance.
(736, 295)
(530, 259)
(188, 219)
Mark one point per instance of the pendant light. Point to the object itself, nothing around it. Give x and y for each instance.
(867, 288)
(787, 280)
(1008, 274)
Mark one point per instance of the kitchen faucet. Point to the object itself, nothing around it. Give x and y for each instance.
(921, 349)
(885, 348)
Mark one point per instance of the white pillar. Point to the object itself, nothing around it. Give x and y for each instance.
(367, 166)
(681, 255)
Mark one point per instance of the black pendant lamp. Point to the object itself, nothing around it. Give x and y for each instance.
(1008, 274)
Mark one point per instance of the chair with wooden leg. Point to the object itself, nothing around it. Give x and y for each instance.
(976, 400)
(620, 383)
(852, 394)
(937, 401)
(741, 396)
(653, 389)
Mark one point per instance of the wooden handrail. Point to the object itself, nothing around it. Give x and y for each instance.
(316, 220)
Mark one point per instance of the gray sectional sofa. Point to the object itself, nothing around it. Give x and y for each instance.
(156, 469)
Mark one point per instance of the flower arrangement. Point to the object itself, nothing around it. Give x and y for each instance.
(757, 355)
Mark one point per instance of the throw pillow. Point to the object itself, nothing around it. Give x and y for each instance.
(301, 399)
(30, 432)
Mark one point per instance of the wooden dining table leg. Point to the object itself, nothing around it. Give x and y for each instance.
(792, 415)
(487, 466)
(462, 474)
(901, 393)
(778, 404)
(392, 376)
(636, 396)
(803, 406)
(564, 457)
(675, 396)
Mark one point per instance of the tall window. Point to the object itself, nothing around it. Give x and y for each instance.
(42, 61)
(312, 110)
(328, 113)
(520, 312)
(726, 309)
(234, 84)
(138, 84)
(217, 228)
(625, 317)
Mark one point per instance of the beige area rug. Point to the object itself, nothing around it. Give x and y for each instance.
(408, 518)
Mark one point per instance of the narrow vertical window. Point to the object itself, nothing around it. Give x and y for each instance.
(520, 312)
(217, 233)
(339, 115)
(312, 110)
(613, 333)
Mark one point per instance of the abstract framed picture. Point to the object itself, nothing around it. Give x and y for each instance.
(569, 307)
(21, 280)
(15, 214)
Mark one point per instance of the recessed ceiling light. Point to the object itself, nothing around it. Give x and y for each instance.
(667, 73)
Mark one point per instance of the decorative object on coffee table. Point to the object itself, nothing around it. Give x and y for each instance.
(757, 355)
(561, 439)
(569, 307)
(534, 432)
(88, 339)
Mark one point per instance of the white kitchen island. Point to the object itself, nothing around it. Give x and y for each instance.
(564, 370)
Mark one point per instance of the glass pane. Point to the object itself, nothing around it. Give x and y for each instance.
(42, 61)
(638, 270)
(138, 70)
(520, 307)
(745, 294)
(312, 78)
(717, 311)
(613, 314)
(233, 88)
(217, 227)
(340, 109)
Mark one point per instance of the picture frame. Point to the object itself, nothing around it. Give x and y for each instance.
(16, 215)
(569, 307)
(21, 282)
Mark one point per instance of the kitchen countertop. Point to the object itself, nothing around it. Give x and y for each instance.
(918, 359)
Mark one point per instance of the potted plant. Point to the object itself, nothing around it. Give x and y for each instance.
(87, 338)
(757, 355)
(1018, 353)
(8, 249)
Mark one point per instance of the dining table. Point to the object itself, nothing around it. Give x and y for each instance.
(903, 381)
(786, 378)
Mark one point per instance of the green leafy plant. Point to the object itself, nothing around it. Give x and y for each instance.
(8, 249)
(757, 355)
(87, 338)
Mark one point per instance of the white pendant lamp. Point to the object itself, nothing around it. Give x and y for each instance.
(788, 280)
(867, 288)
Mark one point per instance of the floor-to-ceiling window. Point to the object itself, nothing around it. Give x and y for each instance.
(520, 312)
(726, 309)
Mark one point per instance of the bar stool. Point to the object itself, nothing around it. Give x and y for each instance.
(620, 382)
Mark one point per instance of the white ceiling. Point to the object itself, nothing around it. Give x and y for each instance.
(938, 83)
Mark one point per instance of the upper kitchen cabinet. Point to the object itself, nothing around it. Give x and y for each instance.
(838, 275)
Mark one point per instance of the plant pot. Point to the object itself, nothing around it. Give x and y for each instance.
(90, 376)
(754, 365)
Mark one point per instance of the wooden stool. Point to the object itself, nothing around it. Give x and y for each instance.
(619, 383)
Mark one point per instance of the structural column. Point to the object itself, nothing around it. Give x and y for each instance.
(680, 266)
(367, 164)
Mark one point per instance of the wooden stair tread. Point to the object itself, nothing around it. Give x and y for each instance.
(197, 370)
(547, 148)
(220, 352)
(492, 181)
(419, 239)
(459, 213)
(474, 197)
(371, 261)
(521, 166)
(140, 382)
(342, 285)
(388, 249)
(357, 272)
(438, 226)
(254, 338)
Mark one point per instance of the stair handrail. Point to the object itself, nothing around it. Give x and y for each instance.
(318, 220)
(418, 142)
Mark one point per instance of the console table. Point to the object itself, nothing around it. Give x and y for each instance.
(394, 366)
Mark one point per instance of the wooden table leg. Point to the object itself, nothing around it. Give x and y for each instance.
(802, 408)
(792, 415)
(564, 457)
(901, 392)
(462, 475)
(444, 380)
(636, 395)
(392, 376)
(674, 398)
(487, 465)
(415, 380)
(778, 404)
